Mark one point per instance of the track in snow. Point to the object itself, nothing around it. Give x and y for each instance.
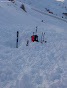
(49, 15)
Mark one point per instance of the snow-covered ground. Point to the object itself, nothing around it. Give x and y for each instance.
(50, 6)
(37, 65)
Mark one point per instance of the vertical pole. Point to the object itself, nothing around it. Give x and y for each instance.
(36, 30)
(33, 36)
(33, 33)
(42, 38)
(17, 39)
(27, 43)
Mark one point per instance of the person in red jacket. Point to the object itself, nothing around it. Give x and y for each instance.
(34, 38)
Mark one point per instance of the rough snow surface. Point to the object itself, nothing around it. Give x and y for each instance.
(37, 65)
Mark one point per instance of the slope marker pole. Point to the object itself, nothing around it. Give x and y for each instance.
(17, 39)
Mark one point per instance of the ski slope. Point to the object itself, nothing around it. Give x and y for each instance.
(37, 65)
(55, 7)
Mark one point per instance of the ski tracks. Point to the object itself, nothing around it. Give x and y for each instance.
(49, 15)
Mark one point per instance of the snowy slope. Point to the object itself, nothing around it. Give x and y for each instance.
(37, 65)
(55, 6)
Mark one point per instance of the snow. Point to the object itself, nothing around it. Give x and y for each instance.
(37, 65)
(60, 0)
(56, 7)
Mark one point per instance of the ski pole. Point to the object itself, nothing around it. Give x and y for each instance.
(17, 39)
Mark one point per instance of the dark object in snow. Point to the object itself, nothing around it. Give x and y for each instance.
(48, 10)
(51, 12)
(62, 16)
(42, 20)
(27, 43)
(65, 14)
(45, 41)
(23, 7)
(17, 39)
(34, 38)
(12, 1)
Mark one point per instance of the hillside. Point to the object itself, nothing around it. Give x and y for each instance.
(38, 65)
(55, 7)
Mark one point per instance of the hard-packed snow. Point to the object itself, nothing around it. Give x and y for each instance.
(38, 65)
